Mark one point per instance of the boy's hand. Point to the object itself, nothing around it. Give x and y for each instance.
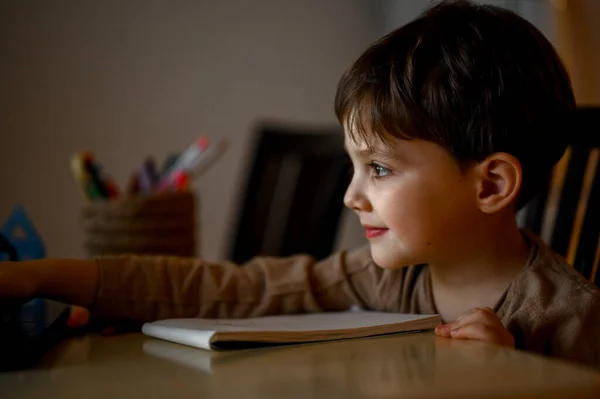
(480, 324)
(64, 280)
(22, 281)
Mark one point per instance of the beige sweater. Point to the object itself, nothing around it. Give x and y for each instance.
(549, 308)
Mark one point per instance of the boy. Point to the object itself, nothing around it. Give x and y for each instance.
(452, 123)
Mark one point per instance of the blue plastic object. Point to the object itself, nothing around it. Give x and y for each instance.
(21, 233)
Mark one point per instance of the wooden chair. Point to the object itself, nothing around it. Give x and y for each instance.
(567, 215)
(294, 194)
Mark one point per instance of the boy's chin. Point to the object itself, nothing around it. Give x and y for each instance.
(389, 259)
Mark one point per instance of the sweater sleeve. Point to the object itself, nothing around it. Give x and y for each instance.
(147, 288)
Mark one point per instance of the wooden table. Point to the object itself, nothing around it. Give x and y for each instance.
(399, 366)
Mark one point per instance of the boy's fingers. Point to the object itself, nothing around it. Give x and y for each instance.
(78, 317)
(483, 332)
(467, 314)
(479, 315)
(443, 330)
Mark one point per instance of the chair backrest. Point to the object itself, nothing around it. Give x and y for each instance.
(567, 215)
(294, 194)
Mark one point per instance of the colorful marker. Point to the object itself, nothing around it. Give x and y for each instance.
(168, 164)
(186, 162)
(96, 186)
(94, 175)
(147, 177)
(207, 158)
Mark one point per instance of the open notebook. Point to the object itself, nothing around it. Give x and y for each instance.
(278, 330)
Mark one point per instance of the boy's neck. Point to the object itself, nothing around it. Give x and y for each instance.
(480, 279)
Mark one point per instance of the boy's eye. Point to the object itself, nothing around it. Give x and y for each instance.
(379, 171)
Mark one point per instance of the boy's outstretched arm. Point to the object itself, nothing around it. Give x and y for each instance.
(145, 288)
(71, 281)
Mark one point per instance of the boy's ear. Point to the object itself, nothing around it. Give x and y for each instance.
(499, 179)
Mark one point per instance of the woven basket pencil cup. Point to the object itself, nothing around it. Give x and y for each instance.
(160, 224)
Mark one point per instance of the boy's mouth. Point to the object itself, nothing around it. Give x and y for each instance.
(372, 232)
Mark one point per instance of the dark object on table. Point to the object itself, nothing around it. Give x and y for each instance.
(20, 345)
(294, 194)
(577, 219)
(7, 248)
(19, 349)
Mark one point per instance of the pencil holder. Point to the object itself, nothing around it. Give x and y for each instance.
(160, 224)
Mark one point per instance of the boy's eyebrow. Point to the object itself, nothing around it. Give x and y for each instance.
(365, 152)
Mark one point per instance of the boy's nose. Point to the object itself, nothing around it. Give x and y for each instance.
(356, 200)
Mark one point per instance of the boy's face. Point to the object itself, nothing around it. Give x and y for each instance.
(414, 201)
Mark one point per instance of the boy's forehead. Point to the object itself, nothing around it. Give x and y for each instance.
(355, 139)
(359, 136)
(360, 139)
(355, 142)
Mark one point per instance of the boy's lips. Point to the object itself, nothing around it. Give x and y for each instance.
(372, 231)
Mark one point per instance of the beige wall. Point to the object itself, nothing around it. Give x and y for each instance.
(125, 79)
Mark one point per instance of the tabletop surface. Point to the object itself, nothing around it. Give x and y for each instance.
(398, 366)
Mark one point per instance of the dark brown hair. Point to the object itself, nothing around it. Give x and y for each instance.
(475, 79)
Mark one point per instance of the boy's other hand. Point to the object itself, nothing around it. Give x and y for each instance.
(480, 324)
